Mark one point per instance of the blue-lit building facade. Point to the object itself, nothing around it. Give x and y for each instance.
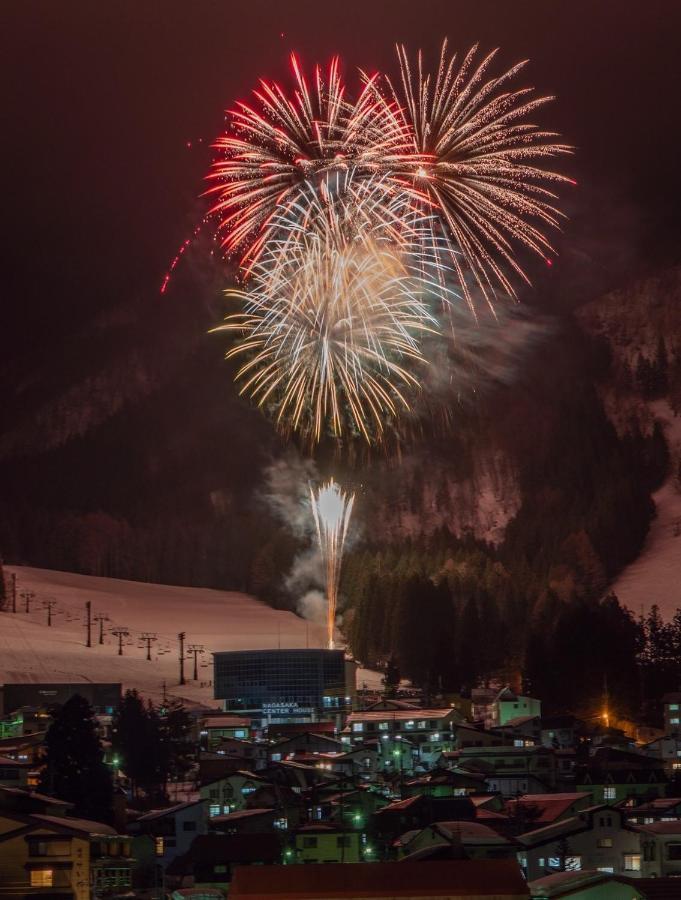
(285, 685)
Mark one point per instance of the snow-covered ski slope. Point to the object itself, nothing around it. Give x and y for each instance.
(216, 620)
(655, 577)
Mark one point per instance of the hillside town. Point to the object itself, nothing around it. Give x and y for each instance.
(103, 794)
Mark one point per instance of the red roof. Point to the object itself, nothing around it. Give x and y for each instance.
(399, 804)
(659, 827)
(550, 806)
(440, 880)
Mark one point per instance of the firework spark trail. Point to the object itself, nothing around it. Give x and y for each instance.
(335, 314)
(331, 509)
(271, 148)
(361, 223)
(475, 155)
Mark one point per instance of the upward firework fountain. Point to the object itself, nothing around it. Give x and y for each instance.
(332, 509)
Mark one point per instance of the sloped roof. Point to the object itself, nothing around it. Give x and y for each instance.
(659, 828)
(550, 806)
(85, 825)
(168, 811)
(240, 814)
(400, 715)
(34, 795)
(470, 833)
(393, 704)
(517, 722)
(226, 722)
(452, 879)
(398, 805)
(482, 799)
(562, 827)
(489, 814)
(563, 884)
(658, 804)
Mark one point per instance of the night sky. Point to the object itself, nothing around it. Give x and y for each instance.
(100, 100)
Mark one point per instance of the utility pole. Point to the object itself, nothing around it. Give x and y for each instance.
(181, 636)
(27, 596)
(14, 591)
(88, 622)
(195, 649)
(49, 606)
(148, 638)
(120, 633)
(101, 618)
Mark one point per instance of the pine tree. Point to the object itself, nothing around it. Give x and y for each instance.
(391, 678)
(177, 746)
(136, 738)
(74, 764)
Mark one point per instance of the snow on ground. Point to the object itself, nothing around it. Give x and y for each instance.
(655, 577)
(218, 620)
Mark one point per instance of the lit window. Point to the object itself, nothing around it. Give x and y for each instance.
(554, 862)
(607, 869)
(159, 846)
(383, 726)
(276, 757)
(605, 842)
(421, 724)
(214, 809)
(240, 733)
(573, 863)
(610, 792)
(674, 720)
(281, 823)
(673, 707)
(42, 878)
(540, 862)
(358, 726)
(409, 724)
(632, 862)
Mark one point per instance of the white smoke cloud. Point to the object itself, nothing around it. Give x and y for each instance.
(287, 492)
